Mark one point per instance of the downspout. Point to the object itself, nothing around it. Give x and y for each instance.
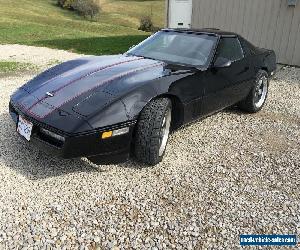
(192, 14)
(167, 14)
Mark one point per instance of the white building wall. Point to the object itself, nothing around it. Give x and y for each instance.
(266, 23)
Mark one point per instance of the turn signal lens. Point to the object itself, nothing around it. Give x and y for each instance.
(121, 131)
(107, 134)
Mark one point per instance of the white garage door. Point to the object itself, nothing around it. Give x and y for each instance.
(180, 13)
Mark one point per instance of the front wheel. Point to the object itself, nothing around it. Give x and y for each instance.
(153, 130)
(258, 94)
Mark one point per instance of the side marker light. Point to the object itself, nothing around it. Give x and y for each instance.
(107, 134)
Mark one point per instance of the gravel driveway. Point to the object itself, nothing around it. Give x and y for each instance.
(230, 174)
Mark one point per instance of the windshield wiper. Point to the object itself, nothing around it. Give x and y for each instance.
(177, 66)
(145, 57)
(171, 65)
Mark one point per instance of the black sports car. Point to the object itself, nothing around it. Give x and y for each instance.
(107, 108)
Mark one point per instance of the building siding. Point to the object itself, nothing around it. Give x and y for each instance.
(269, 24)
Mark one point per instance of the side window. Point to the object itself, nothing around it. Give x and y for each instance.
(230, 48)
(248, 48)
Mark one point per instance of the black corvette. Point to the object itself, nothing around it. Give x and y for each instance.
(108, 108)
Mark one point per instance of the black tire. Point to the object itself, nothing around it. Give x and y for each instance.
(252, 103)
(150, 130)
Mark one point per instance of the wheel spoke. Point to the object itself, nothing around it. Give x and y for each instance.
(165, 130)
(261, 90)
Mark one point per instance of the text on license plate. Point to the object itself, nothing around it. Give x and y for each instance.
(24, 128)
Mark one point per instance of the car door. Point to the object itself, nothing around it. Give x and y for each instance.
(187, 86)
(226, 85)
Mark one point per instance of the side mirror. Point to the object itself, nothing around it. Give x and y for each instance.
(222, 62)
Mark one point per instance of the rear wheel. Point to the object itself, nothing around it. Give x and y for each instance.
(258, 95)
(153, 130)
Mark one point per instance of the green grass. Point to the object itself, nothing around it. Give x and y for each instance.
(129, 12)
(42, 23)
(10, 67)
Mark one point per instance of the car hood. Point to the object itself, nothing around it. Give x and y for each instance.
(67, 86)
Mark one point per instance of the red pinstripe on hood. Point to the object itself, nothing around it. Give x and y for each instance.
(39, 105)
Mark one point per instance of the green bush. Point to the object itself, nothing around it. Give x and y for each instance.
(146, 24)
(67, 4)
(86, 8)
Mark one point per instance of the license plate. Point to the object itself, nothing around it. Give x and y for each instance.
(24, 128)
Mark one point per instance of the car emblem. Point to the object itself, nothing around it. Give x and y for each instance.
(49, 94)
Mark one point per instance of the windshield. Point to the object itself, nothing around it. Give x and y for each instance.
(176, 47)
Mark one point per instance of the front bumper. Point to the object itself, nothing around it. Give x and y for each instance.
(88, 144)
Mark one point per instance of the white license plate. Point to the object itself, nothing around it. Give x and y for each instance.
(24, 128)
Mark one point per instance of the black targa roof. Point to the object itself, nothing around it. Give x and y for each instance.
(211, 31)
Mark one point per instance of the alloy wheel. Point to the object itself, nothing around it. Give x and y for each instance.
(261, 91)
(165, 130)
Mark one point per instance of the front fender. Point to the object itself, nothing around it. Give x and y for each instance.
(138, 98)
(112, 114)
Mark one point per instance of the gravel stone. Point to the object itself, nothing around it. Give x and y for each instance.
(230, 174)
